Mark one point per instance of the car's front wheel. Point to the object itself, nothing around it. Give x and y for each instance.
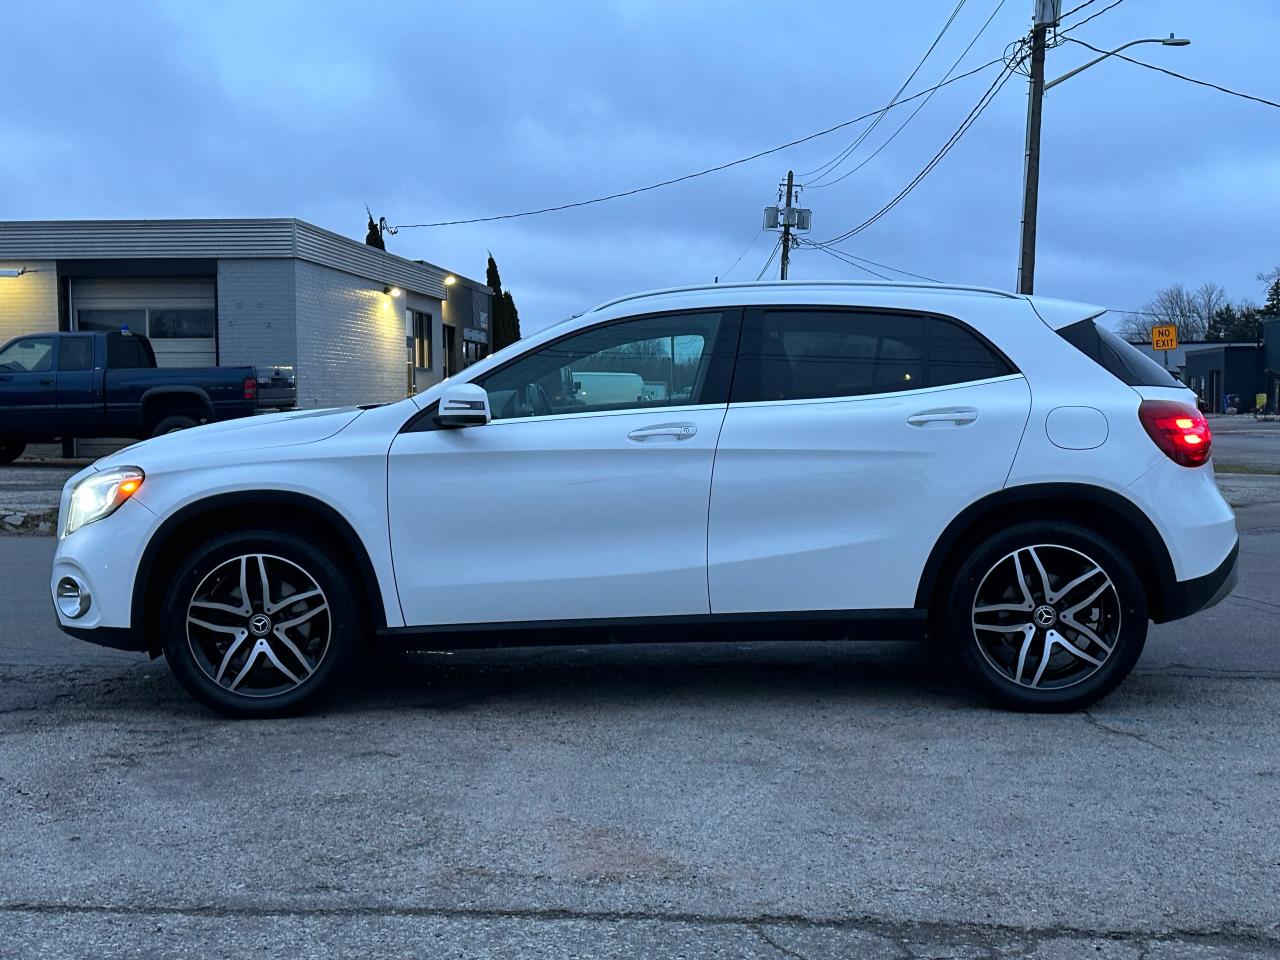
(1046, 616)
(10, 450)
(260, 623)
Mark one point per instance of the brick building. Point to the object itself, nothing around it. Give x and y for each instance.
(354, 324)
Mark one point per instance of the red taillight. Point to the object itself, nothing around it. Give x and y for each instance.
(250, 388)
(1179, 429)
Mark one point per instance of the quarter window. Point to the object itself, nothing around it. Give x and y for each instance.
(662, 361)
(811, 354)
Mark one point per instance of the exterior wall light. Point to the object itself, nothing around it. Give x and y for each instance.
(10, 272)
(392, 291)
(450, 280)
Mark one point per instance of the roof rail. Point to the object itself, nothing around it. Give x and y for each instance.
(891, 284)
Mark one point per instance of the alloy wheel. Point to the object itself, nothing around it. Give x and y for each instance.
(1046, 617)
(258, 625)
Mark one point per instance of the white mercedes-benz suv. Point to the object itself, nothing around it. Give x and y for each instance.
(1000, 474)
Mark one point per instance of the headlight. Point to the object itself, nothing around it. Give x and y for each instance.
(100, 496)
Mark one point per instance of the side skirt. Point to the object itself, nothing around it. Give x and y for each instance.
(904, 624)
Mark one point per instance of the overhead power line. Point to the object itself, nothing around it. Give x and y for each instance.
(1181, 76)
(754, 237)
(1080, 23)
(1077, 9)
(765, 269)
(700, 173)
(851, 263)
(919, 106)
(928, 168)
(831, 165)
(840, 253)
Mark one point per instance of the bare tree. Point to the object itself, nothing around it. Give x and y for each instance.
(1191, 311)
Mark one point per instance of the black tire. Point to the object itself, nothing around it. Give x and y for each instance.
(10, 450)
(194, 652)
(990, 655)
(172, 425)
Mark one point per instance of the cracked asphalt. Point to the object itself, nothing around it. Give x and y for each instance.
(785, 799)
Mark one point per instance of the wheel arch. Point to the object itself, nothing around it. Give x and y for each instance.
(268, 508)
(169, 399)
(1113, 514)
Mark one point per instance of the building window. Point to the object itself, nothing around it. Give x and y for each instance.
(421, 339)
(450, 345)
(187, 323)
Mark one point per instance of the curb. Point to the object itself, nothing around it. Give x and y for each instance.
(28, 523)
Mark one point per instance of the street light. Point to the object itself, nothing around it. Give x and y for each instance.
(1031, 170)
(1169, 41)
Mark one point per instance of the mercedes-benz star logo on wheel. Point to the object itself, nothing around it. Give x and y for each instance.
(259, 624)
(1045, 616)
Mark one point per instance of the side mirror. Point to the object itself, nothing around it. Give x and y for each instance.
(463, 405)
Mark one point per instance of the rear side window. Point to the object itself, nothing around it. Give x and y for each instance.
(810, 354)
(75, 353)
(126, 353)
(1123, 360)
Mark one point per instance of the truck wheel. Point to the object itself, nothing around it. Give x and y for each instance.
(172, 425)
(10, 451)
(260, 623)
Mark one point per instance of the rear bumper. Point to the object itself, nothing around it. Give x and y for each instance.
(1185, 597)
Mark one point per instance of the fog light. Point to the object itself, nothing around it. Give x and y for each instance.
(73, 598)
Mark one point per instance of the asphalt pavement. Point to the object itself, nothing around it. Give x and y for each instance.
(782, 799)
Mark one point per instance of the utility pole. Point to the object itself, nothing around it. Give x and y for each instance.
(1046, 15)
(788, 218)
(786, 225)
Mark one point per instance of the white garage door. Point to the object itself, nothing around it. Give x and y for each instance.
(177, 315)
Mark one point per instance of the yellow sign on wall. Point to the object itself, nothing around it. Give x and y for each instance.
(1164, 337)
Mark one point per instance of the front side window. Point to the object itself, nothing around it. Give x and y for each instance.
(662, 361)
(807, 354)
(29, 355)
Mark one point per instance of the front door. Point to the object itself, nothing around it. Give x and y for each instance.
(27, 390)
(586, 497)
(853, 438)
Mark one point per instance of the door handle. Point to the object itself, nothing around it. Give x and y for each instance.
(663, 431)
(46, 381)
(957, 417)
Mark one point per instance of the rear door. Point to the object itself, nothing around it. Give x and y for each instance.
(27, 389)
(852, 439)
(80, 409)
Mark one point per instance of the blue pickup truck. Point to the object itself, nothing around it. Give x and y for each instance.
(56, 386)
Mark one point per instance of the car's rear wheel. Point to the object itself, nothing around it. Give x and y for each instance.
(1046, 616)
(10, 450)
(260, 623)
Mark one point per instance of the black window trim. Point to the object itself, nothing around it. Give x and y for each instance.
(728, 341)
(752, 322)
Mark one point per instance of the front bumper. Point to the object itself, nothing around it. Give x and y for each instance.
(103, 556)
(1186, 597)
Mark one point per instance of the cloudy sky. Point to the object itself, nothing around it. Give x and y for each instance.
(442, 111)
